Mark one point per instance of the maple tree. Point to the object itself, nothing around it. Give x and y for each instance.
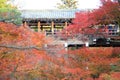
(86, 63)
(90, 21)
(108, 12)
(20, 50)
(23, 57)
(91, 63)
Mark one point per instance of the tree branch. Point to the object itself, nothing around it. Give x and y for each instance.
(21, 47)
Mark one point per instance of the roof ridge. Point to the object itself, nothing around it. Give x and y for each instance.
(65, 13)
(50, 10)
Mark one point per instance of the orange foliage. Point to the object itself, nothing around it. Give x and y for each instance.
(20, 50)
(22, 57)
(93, 61)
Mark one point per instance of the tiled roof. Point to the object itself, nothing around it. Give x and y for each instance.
(34, 14)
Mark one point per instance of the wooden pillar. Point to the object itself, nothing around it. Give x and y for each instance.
(25, 24)
(66, 24)
(65, 27)
(52, 27)
(39, 25)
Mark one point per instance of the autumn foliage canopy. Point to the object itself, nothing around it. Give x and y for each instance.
(23, 57)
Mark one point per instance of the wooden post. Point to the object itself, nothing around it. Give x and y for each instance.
(66, 24)
(39, 26)
(65, 27)
(25, 24)
(52, 26)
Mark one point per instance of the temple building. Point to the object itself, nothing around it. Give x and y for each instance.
(53, 21)
(49, 21)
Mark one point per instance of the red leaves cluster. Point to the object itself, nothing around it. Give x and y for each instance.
(18, 54)
(108, 12)
(92, 62)
(87, 22)
(21, 36)
(84, 63)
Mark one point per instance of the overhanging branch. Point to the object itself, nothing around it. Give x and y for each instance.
(21, 47)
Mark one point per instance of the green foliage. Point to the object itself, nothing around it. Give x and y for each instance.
(10, 15)
(3, 4)
(67, 4)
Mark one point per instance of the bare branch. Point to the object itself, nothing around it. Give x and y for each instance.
(21, 47)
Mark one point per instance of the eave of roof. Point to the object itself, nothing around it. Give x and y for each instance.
(49, 14)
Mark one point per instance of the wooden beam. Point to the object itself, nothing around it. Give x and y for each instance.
(47, 24)
(39, 25)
